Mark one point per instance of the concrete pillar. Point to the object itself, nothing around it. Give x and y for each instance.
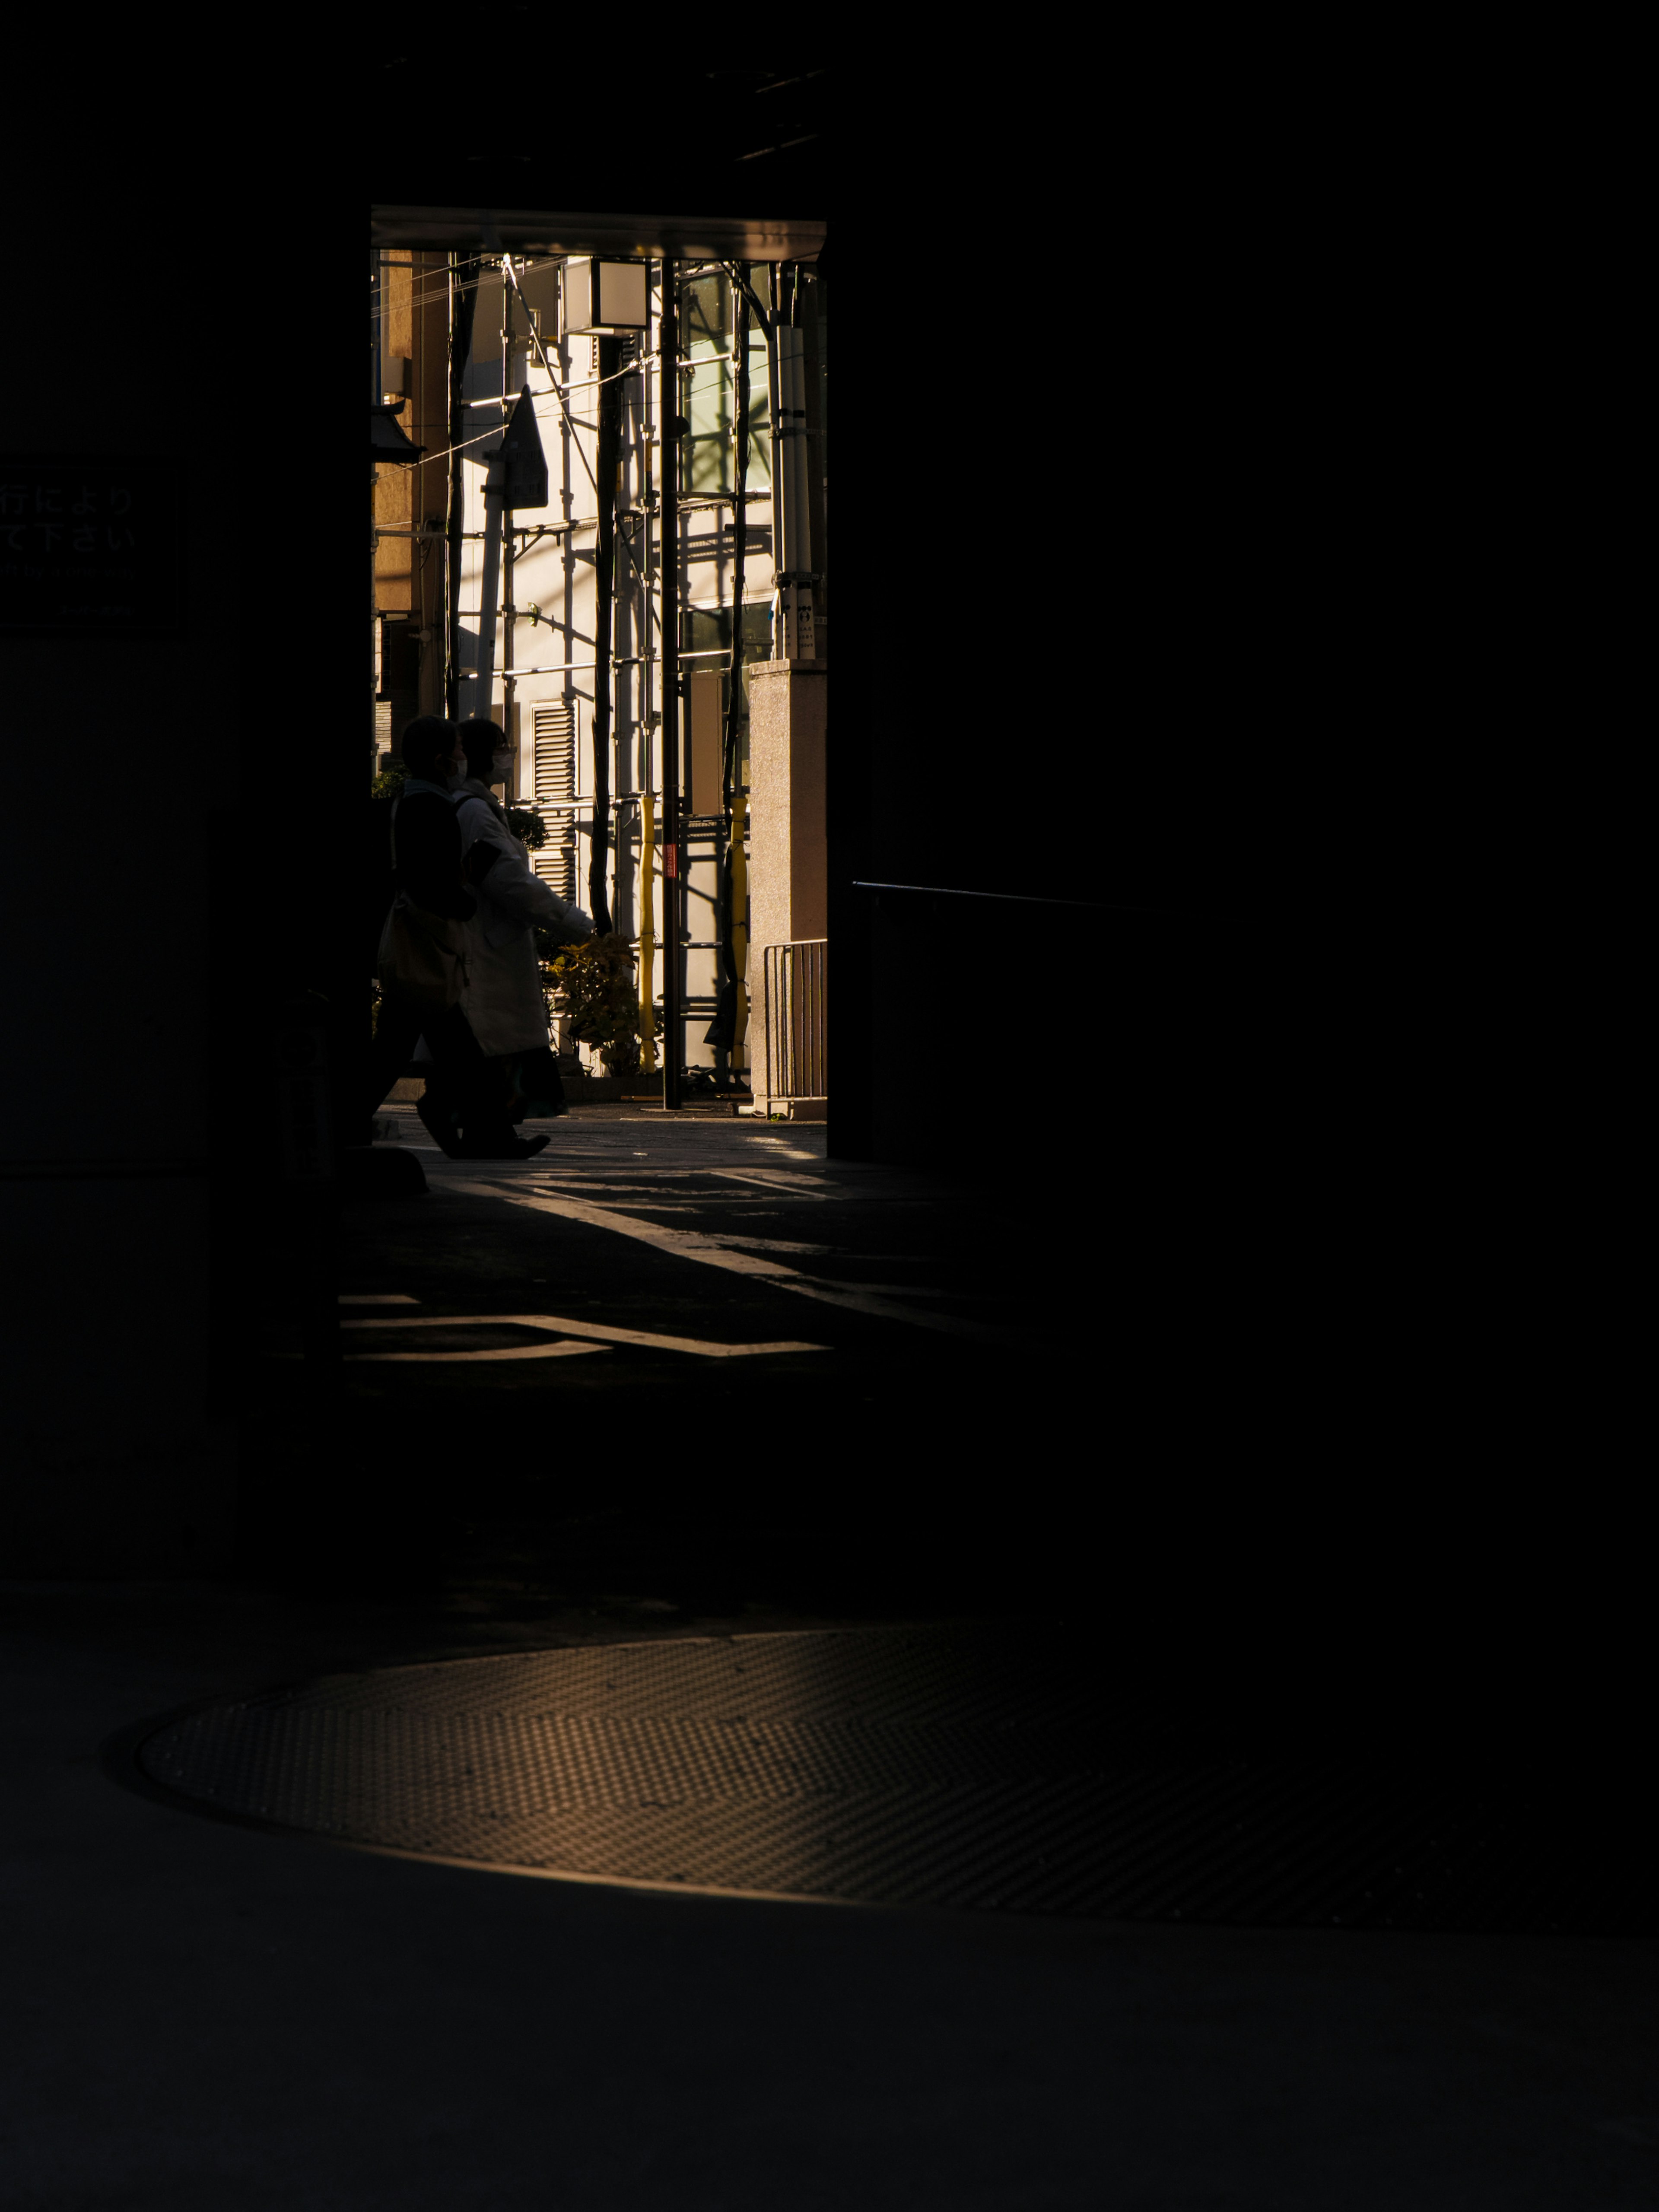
(789, 860)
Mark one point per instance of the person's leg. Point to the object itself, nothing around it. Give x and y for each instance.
(470, 1090)
(487, 1119)
(397, 1031)
(437, 1110)
(453, 1074)
(537, 1091)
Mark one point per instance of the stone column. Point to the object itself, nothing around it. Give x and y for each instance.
(789, 860)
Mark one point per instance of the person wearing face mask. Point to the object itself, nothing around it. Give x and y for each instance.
(503, 998)
(432, 908)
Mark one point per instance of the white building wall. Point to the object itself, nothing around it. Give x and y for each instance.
(553, 655)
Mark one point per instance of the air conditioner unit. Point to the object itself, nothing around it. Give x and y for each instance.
(607, 297)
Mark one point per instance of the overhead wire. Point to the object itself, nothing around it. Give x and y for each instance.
(511, 274)
(556, 391)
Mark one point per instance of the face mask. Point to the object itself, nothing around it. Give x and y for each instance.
(501, 768)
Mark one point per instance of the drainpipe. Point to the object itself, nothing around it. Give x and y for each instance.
(795, 638)
(804, 646)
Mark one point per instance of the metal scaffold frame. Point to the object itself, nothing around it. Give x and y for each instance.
(642, 861)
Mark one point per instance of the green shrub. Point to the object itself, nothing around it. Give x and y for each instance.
(595, 994)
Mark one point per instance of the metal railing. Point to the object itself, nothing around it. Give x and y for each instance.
(793, 985)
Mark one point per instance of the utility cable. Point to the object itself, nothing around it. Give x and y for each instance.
(541, 351)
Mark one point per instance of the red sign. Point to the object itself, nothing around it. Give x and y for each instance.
(670, 860)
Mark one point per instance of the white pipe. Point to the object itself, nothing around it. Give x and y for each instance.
(793, 537)
(494, 502)
(801, 557)
(806, 623)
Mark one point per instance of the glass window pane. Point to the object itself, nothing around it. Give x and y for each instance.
(707, 326)
(706, 447)
(706, 315)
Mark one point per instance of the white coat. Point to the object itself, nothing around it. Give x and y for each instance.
(502, 996)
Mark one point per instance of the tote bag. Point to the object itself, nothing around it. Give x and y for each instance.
(420, 958)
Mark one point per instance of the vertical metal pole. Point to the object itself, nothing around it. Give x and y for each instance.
(804, 643)
(508, 608)
(673, 850)
(508, 613)
(647, 932)
(608, 351)
(733, 877)
(374, 617)
(651, 560)
(494, 488)
(781, 623)
(377, 310)
(463, 300)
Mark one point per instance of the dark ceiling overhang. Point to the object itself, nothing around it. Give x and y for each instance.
(628, 237)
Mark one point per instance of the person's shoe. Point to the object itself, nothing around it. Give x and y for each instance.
(501, 1148)
(442, 1132)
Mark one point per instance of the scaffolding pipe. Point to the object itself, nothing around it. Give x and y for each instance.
(647, 939)
(726, 1031)
(463, 300)
(605, 461)
(507, 549)
(494, 498)
(377, 312)
(668, 564)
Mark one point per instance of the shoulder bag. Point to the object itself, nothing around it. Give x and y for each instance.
(420, 958)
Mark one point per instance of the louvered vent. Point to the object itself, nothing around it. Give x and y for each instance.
(628, 351)
(556, 797)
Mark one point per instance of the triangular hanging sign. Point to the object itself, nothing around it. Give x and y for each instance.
(386, 438)
(521, 450)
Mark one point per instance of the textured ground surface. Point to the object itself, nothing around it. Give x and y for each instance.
(199, 2015)
(1023, 1414)
(982, 1765)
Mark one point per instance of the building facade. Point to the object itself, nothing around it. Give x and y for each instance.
(585, 581)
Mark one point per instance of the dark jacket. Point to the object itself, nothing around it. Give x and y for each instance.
(424, 838)
(429, 848)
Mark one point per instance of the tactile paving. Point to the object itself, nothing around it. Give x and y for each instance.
(940, 1766)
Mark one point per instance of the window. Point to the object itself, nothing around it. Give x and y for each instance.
(708, 629)
(707, 391)
(400, 660)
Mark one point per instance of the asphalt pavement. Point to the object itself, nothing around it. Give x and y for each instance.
(694, 1377)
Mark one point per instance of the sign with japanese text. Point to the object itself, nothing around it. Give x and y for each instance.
(89, 547)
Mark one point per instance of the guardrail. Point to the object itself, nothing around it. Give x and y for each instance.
(793, 1070)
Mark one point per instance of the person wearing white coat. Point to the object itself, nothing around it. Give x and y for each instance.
(503, 997)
